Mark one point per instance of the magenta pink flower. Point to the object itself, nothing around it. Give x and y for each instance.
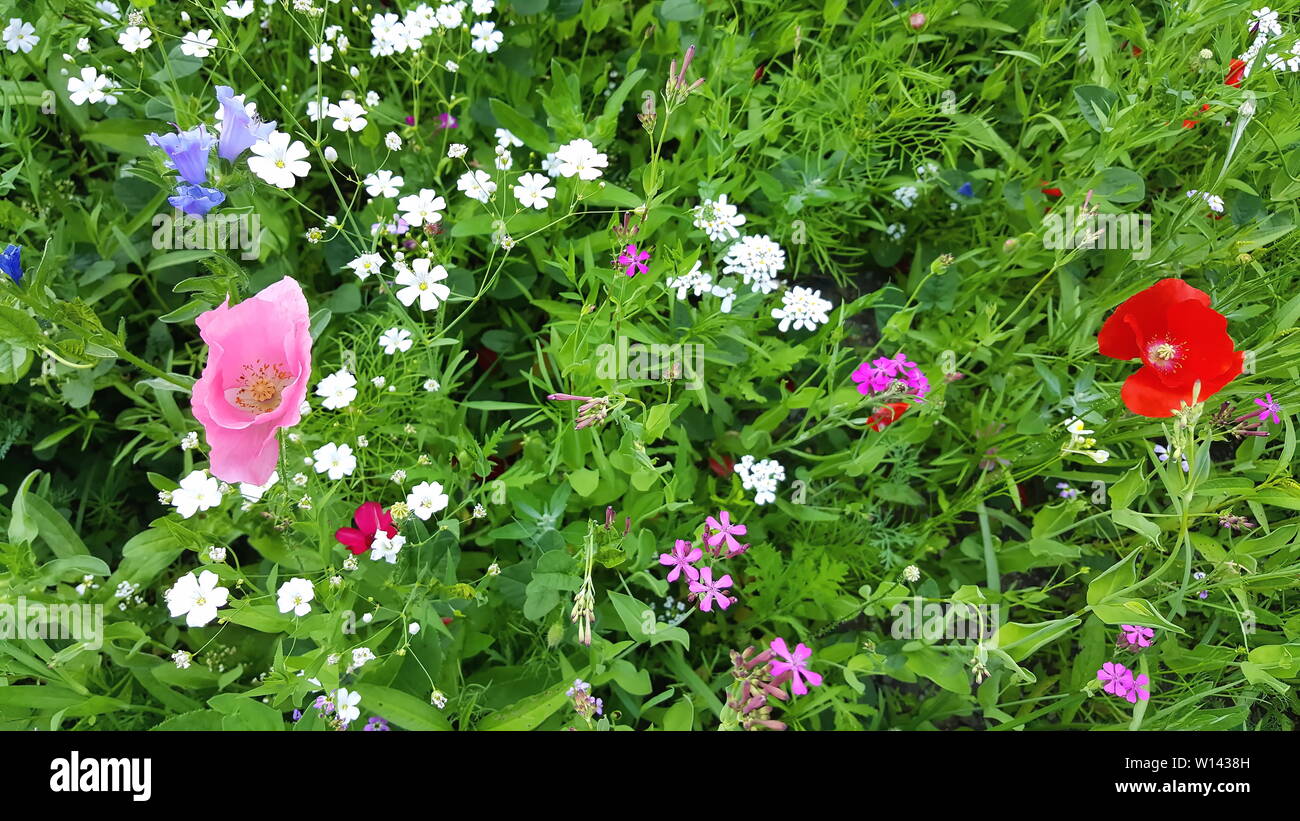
(681, 560)
(710, 591)
(1137, 690)
(259, 362)
(725, 531)
(633, 262)
(793, 667)
(1118, 678)
(447, 121)
(1132, 635)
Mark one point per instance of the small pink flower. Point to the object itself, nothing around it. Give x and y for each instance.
(682, 560)
(255, 379)
(793, 667)
(447, 121)
(1132, 635)
(725, 531)
(1118, 678)
(633, 261)
(710, 591)
(1137, 690)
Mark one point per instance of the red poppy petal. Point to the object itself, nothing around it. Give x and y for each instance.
(353, 539)
(367, 516)
(1206, 346)
(1149, 310)
(1146, 395)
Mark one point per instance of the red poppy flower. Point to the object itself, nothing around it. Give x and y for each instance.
(1236, 71)
(1052, 192)
(370, 518)
(1180, 339)
(886, 415)
(1190, 123)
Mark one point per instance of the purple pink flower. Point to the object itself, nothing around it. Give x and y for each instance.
(883, 373)
(1119, 681)
(723, 530)
(1134, 635)
(633, 261)
(1268, 407)
(682, 559)
(793, 667)
(709, 591)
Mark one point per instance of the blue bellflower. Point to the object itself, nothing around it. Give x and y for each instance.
(239, 131)
(11, 262)
(187, 152)
(196, 200)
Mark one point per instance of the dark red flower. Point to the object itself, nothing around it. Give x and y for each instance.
(1181, 341)
(1052, 192)
(370, 518)
(1236, 70)
(886, 415)
(724, 467)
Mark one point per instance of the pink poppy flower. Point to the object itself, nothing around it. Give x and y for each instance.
(681, 560)
(633, 262)
(793, 667)
(710, 591)
(725, 531)
(259, 362)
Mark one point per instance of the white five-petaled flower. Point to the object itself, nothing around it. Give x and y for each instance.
(365, 265)
(506, 139)
(322, 53)
(334, 460)
(345, 704)
(20, 35)
(237, 11)
(486, 37)
(198, 43)
(456, 150)
(279, 162)
(477, 185)
(295, 595)
(339, 389)
(423, 282)
(348, 115)
(196, 598)
(423, 208)
(393, 141)
(718, 219)
(90, 87)
(394, 340)
(198, 491)
(134, 38)
(383, 184)
(426, 499)
(534, 191)
(385, 549)
(581, 159)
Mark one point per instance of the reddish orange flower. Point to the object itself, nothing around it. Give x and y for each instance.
(1236, 71)
(886, 415)
(1181, 341)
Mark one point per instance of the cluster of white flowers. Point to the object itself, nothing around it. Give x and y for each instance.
(394, 35)
(718, 219)
(906, 195)
(1266, 27)
(762, 477)
(895, 231)
(802, 308)
(758, 260)
(700, 282)
(91, 87)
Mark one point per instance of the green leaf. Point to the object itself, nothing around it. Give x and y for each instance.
(402, 709)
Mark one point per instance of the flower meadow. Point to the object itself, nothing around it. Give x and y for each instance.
(654, 365)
